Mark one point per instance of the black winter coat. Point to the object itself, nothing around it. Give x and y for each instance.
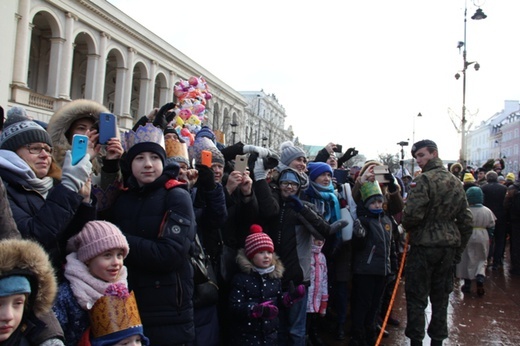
(372, 253)
(159, 268)
(50, 221)
(249, 288)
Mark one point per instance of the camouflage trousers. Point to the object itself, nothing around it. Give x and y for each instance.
(428, 274)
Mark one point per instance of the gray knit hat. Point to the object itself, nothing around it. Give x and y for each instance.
(19, 130)
(290, 152)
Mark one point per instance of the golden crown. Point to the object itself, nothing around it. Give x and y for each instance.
(111, 314)
(143, 134)
(176, 149)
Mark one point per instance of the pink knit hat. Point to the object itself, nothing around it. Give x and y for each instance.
(97, 237)
(257, 242)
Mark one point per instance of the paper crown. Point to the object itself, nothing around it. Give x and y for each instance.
(111, 314)
(144, 134)
(370, 189)
(176, 149)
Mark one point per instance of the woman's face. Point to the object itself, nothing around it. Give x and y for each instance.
(147, 167)
(80, 127)
(299, 164)
(11, 313)
(324, 179)
(38, 156)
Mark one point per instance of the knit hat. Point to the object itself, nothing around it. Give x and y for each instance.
(510, 176)
(501, 179)
(468, 178)
(369, 190)
(475, 195)
(19, 130)
(257, 242)
(289, 152)
(206, 132)
(491, 176)
(145, 138)
(97, 237)
(14, 284)
(425, 143)
(318, 168)
(289, 175)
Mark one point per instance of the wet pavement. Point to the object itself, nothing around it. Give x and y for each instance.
(493, 319)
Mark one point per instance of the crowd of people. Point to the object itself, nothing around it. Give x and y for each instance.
(152, 239)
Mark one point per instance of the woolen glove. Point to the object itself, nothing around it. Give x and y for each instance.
(295, 203)
(294, 295)
(74, 177)
(323, 308)
(259, 171)
(358, 229)
(337, 225)
(262, 152)
(392, 187)
(265, 310)
(206, 179)
(160, 119)
(350, 153)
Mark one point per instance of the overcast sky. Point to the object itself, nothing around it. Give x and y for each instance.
(353, 72)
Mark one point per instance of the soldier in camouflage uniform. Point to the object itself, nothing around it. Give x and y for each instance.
(438, 221)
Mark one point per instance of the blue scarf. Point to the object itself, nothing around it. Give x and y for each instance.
(325, 201)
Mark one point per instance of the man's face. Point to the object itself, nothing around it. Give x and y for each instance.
(423, 156)
(481, 175)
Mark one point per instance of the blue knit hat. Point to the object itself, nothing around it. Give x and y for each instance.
(318, 168)
(14, 284)
(289, 175)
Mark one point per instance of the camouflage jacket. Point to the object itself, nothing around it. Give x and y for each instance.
(436, 213)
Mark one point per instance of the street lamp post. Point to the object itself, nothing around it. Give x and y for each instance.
(413, 140)
(479, 14)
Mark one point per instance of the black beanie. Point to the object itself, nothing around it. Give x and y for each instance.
(19, 130)
(422, 144)
(145, 146)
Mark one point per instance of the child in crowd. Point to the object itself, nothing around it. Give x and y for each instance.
(318, 295)
(96, 262)
(370, 263)
(256, 291)
(27, 289)
(115, 320)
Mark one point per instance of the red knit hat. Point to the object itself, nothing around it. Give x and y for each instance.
(257, 242)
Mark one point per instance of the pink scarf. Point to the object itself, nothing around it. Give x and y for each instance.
(86, 288)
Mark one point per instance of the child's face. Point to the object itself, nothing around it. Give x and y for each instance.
(147, 167)
(376, 205)
(318, 242)
(107, 266)
(263, 259)
(132, 340)
(11, 313)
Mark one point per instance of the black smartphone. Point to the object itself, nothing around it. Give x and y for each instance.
(107, 127)
(338, 148)
(341, 175)
(79, 148)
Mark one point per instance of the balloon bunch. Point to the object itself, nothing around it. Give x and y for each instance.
(192, 95)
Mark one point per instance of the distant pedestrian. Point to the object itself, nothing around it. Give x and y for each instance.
(438, 222)
(474, 257)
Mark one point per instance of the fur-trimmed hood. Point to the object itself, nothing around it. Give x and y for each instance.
(61, 121)
(246, 266)
(28, 258)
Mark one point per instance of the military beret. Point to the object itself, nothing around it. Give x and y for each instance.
(423, 144)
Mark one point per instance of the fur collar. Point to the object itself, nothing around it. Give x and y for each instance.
(246, 266)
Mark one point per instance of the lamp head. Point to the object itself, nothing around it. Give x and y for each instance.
(479, 14)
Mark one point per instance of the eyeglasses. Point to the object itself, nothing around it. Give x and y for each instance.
(37, 149)
(289, 184)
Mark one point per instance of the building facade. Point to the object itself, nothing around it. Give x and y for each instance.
(497, 137)
(55, 51)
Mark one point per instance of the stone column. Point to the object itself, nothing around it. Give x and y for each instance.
(22, 46)
(53, 81)
(101, 68)
(126, 119)
(65, 71)
(90, 83)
